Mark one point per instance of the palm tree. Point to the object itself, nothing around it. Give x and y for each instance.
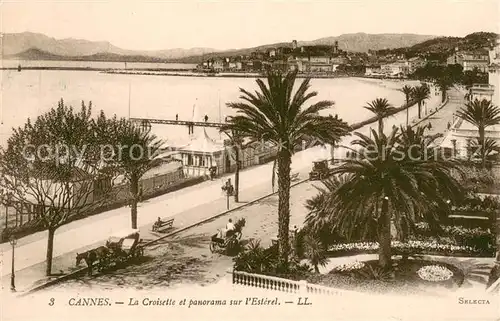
(276, 114)
(385, 184)
(420, 94)
(135, 155)
(444, 83)
(482, 114)
(381, 108)
(237, 146)
(315, 252)
(407, 91)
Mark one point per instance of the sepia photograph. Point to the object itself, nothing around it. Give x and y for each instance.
(244, 160)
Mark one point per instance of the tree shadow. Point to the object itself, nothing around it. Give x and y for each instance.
(192, 240)
(269, 201)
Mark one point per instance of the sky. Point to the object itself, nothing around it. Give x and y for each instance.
(154, 25)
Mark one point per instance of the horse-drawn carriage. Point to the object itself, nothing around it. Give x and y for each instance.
(120, 247)
(319, 171)
(227, 241)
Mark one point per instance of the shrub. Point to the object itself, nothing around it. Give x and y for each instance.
(256, 259)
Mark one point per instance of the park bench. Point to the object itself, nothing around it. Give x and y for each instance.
(163, 224)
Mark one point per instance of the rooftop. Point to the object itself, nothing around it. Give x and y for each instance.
(203, 144)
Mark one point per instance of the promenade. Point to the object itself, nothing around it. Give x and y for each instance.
(187, 206)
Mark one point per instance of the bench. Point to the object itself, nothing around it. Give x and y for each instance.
(163, 224)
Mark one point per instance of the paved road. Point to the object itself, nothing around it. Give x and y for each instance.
(97, 228)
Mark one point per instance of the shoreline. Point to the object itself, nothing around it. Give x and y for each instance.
(179, 72)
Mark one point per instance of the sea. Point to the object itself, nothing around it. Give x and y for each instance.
(29, 93)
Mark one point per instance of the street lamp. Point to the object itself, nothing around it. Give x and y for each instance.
(13, 242)
(229, 189)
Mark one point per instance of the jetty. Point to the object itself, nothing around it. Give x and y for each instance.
(146, 123)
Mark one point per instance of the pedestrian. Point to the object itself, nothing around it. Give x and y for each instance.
(206, 118)
(176, 116)
(429, 126)
(140, 194)
(449, 125)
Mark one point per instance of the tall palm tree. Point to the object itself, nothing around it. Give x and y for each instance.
(385, 184)
(407, 90)
(482, 114)
(444, 83)
(420, 94)
(381, 108)
(276, 113)
(237, 146)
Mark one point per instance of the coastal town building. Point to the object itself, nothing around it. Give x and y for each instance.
(414, 63)
(395, 69)
(494, 73)
(470, 60)
(373, 71)
(489, 91)
(463, 133)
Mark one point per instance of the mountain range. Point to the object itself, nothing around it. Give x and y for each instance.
(35, 46)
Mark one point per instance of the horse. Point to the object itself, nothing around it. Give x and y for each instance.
(91, 256)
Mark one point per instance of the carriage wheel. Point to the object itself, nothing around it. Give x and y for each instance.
(212, 247)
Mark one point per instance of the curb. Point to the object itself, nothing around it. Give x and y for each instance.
(83, 270)
(219, 215)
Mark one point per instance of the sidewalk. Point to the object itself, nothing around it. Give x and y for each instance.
(33, 275)
(439, 121)
(187, 206)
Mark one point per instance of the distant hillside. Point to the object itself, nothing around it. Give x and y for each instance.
(355, 42)
(444, 46)
(473, 41)
(28, 45)
(362, 42)
(15, 44)
(37, 54)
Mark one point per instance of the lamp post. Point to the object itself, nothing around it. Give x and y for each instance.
(13, 242)
(229, 189)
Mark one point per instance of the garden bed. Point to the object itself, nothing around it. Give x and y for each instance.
(410, 247)
(404, 279)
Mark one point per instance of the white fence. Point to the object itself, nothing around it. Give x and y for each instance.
(265, 282)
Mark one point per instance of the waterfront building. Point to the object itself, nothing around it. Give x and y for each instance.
(489, 91)
(494, 73)
(470, 60)
(200, 154)
(373, 71)
(203, 152)
(395, 69)
(414, 63)
(219, 64)
(462, 133)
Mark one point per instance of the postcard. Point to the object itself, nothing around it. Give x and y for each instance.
(299, 160)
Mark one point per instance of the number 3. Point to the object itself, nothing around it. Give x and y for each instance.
(52, 300)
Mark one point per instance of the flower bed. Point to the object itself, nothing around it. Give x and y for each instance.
(407, 277)
(410, 247)
(481, 240)
(434, 273)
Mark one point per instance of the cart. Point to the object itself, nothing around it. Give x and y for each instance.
(124, 245)
(319, 171)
